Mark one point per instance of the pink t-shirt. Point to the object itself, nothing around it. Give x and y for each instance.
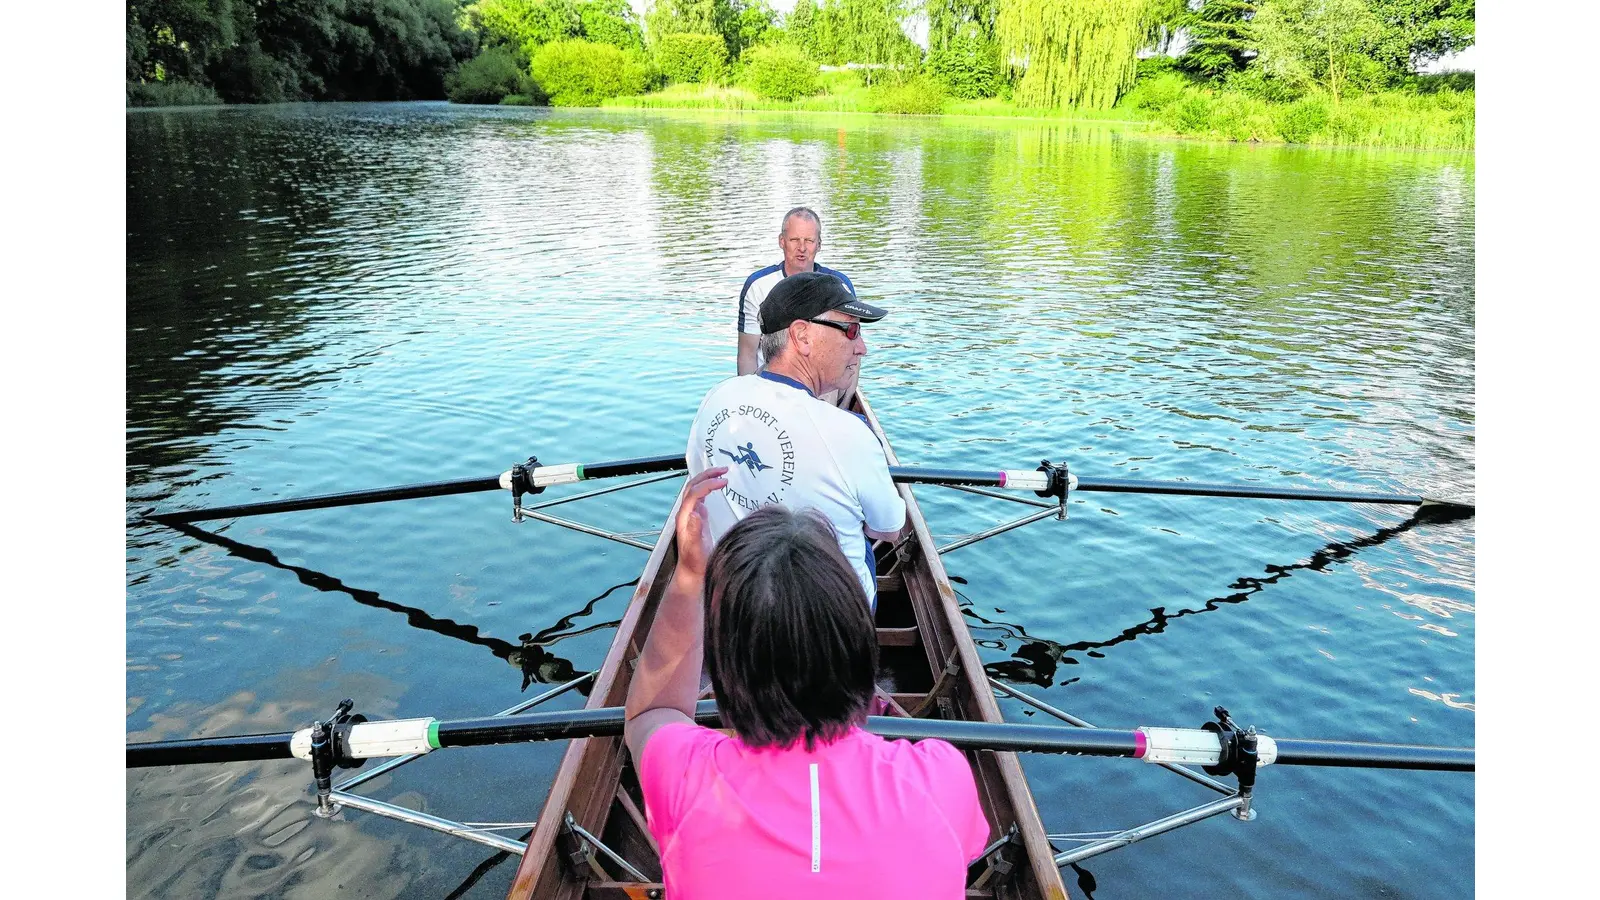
(860, 817)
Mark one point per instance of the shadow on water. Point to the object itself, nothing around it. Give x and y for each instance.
(1035, 660)
(530, 657)
(483, 869)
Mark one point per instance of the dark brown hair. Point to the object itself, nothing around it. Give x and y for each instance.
(790, 643)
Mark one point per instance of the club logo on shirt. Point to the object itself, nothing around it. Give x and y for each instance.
(748, 458)
(751, 436)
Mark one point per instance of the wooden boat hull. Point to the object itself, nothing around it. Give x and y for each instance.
(929, 666)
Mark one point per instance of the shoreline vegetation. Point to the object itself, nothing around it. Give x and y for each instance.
(1319, 72)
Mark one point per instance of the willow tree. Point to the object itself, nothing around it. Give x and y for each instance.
(1075, 52)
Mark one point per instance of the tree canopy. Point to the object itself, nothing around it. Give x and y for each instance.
(297, 49)
(1327, 42)
(530, 24)
(1045, 53)
(1075, 52)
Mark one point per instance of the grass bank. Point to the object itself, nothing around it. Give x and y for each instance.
(843, 92)
(1441, 119)
(170, 93)
(1435, 118)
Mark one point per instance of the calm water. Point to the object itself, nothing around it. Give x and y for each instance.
(324, 298)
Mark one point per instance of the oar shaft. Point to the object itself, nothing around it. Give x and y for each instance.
(1200, 489)
(605, 721)
(238, 748)
(1388, 756)
(325, 501)
(644, 465)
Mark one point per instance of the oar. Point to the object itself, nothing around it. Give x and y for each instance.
(1184, 745)
(528, 478)
(1047, 480)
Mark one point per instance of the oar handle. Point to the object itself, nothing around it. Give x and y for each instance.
(1036, 480)
(535, 478)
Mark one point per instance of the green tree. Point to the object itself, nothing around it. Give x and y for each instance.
(948, 19)
(1419, 31)
(688, 17)
(524, 24)
(1325, 42)
(753, 21)
(967, 66)
(178, 39)
(870, 32)
(800, 28)
(611, 22)
(688, 58)
(780, 73)
(253, 50)
(741, 23)
(583, 73)
(963, 53)
(1076, 52)
(491, 76)
(1220, 38)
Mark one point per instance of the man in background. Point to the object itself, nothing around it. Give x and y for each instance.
(800, 239)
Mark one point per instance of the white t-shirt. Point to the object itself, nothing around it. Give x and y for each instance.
(782, 445)
(760, 282)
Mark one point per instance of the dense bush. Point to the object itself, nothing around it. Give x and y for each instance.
(1441, 82)
(692, 58)
(1255, 82)
(1189, 114)
(1156, 92)
(170, 93)
(1301, 120)
(780, 73)
(1350, 123)
(920, 96)
(580, 73)
(1241, 117)
(490, 77)
(968, 67)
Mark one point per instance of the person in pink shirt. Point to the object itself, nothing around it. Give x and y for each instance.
(799, 801)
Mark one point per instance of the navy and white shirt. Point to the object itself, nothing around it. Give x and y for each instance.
(759, 283)
(782, 445)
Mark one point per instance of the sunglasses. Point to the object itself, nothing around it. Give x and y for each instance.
(852, 330)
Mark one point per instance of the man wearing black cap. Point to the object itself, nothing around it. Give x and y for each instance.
(782, 444)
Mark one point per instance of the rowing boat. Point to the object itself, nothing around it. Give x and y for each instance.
(591, 840)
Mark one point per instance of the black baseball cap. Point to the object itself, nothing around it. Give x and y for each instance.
(808, 295)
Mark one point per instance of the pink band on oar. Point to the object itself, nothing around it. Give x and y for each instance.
(1002, 479)
(1139, 744)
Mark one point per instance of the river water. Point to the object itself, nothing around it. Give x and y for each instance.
(330, 297)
